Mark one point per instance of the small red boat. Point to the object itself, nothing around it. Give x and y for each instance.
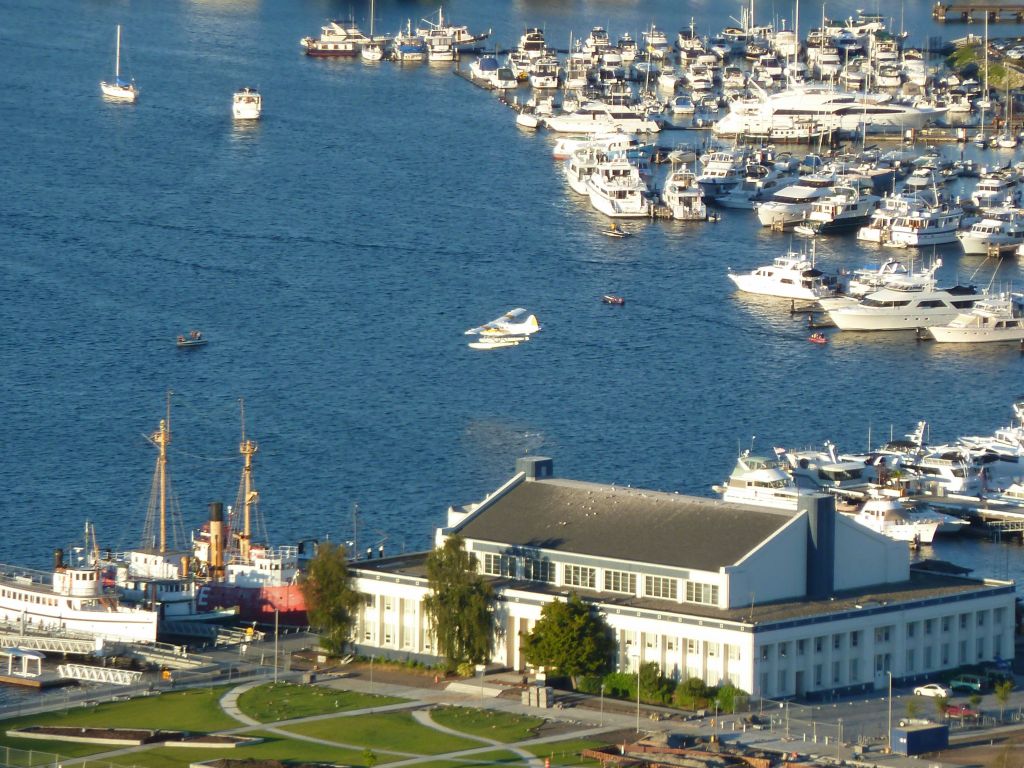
(611, 299)
(818, 338)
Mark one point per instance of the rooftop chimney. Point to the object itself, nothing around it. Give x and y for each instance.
(535, 467)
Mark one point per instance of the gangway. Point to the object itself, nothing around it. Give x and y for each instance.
(49, 644)
(105, 675)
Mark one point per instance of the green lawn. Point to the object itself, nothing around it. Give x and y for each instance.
(274, 747)
(488, 724)
(393, 730)
(283, 701)
(483, 760)
(566, 752)
(194, 710)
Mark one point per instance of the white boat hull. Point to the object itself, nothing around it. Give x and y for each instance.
(855, 318)
(948, 335)
(126, 93)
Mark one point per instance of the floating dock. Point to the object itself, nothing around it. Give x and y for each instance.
(969, 13)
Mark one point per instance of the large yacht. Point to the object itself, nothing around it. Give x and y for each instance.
(683, 197)
(761, 482)
(886, 516)
(928, 225)
(992, 234)
(597, 117)
(893, 309)
(790, 277)
(616, 189)
(834, 110)
(845, 208)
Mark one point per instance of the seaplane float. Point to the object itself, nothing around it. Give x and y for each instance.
(511, 329)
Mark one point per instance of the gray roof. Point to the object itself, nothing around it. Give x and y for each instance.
(624, 524)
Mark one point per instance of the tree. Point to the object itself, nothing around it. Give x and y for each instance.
(1002, 691)
(571, 639)
(331, 602)
(913, 708)
(690, 693)
(459, 604)
(941, 702)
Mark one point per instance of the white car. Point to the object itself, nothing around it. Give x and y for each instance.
(932, 689)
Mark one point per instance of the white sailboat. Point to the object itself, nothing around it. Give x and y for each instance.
(118, 89)
(373, 50)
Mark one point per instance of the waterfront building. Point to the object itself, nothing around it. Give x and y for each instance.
(777, 602)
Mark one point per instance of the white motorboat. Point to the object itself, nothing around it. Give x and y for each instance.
(893, 309)
(791, 276)
(484, 69)
(617, 189)
(459, 35)
(119, 89)
(682, 195)
(929, 225)
(995, 318)
(545, 72)
(407, 46)
(992, 234)
(886, 516)
(760, 183)
(998, 189)
(761, 482)
(532, 44)
(597, 42)
(656, 43)
(721, 171)
(791, 205)
(337, 40)
(246, 104)
(598, 117)
(891, 273)
(891, 208)
(580, 167)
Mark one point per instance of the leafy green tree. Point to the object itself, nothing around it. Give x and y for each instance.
(1002, 691)
(730, 698)
(690, 693)
(975, 701)
(370, 758)
(571, 639)
(913, 708)
(331, 602)
(941, 702)
(459, 604)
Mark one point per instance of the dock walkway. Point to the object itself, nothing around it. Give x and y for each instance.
(969, 13)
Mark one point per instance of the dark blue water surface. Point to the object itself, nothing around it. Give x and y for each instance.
(334, 254)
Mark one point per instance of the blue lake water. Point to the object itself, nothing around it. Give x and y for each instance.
(334, 254)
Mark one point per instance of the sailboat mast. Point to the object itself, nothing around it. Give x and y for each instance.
(117, 55)
(162, 438)
(248, 449)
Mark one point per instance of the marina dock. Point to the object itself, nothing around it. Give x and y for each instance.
(969, 13)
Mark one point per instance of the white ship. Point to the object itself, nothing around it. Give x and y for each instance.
(791, 276)
(893, 309)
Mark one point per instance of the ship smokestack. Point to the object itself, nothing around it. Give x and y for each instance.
(216, 540)
(58, 559)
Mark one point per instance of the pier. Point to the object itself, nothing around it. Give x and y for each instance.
(969, 13)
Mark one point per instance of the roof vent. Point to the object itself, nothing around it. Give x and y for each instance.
(536, 467)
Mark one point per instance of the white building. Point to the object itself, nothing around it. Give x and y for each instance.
(780, 603)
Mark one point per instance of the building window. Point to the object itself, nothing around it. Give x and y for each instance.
(498, 565)
(783, 650)
(963, 652)
(946, 621)
(929, 625)
(538, 570)
(765, 650)
(981, 618)
(692, 647)
(963, 621)
(670, 643)
(911, 628)
(998, 615)
(881, 634)
(835, 673)
(661, 586)
(927, 658)
(911, 660)
(855, 639)
(733, 651)
(981, 648)
(854, 670)
(945, 654)
(997, 646)
(801, 647)
(388, 605)
(620, 581)
(696, 592)
(782, 681)
(712, 649)
(369, 600)
(580, 576)
(817, 675)
(764, 684)
(837, 641)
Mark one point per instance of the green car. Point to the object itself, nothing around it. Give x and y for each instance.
(970, 683)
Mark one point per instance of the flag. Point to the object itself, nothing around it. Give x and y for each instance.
(779, 451)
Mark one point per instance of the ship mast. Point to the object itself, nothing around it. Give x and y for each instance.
(162, 438)
(249, 495)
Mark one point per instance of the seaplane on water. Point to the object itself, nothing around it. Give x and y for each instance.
(512, 328)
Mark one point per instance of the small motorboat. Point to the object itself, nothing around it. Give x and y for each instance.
(615, 231)
(193, 339)
(818, 338)
(609, 298)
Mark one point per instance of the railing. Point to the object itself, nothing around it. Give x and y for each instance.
(107, 675)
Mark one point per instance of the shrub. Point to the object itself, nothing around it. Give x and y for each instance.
(690, 694)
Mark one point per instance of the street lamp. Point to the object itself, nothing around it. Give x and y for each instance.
(602, 705)
(888, 735)
(636, 655)
(371, 675)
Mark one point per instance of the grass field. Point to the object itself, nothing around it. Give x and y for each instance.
(483, 760)
(283, 701)
(488, 724)
(566, 752)
(396, 731)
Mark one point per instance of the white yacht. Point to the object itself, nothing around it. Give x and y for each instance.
(997, 189)
(992, 234)
(247, 104)
(337, 39)
(656, 43)
(761, 482)
(759, 183)
(597, 117)
(791, 276)
(616, 189)
(834, 110)
(886, 516)
(721, 171)
(929, 225)
(119, 89)
(891, 273)
(846, 208)
(580, 167)
(893, 309)
(791, 205)
(545, 72)
(683, 197)
(996, 318)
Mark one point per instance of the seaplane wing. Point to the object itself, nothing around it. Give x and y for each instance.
(515, 322)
